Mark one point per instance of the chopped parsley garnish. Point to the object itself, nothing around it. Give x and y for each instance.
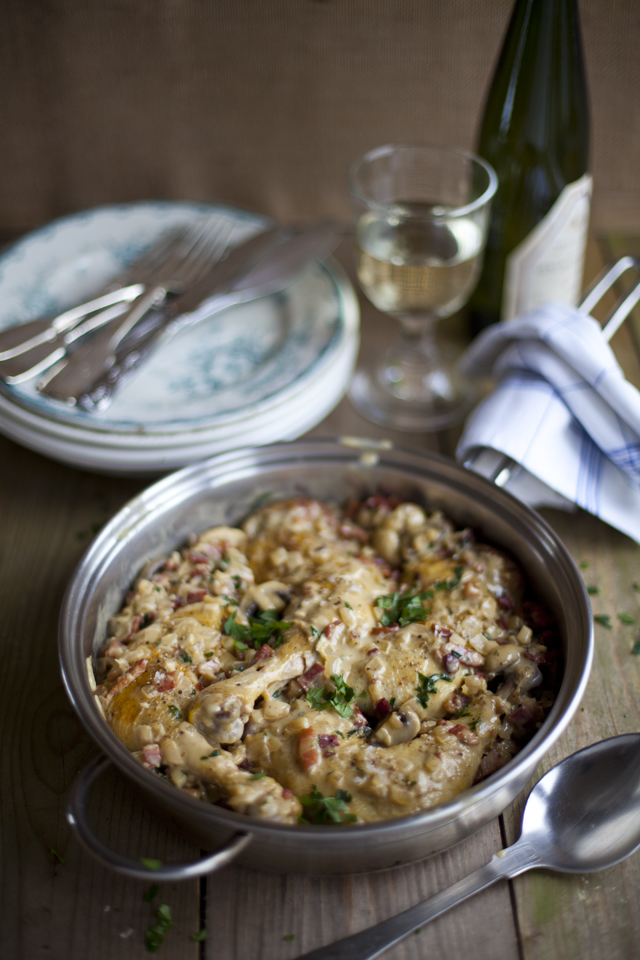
(186, 658)
(240, 645)
(403, 608)
(321, 699)
(321, 809)
(428, 686)
(260, 629)
(462, 713)
(259, 776)
(392, 702)
(208, 655)
(176, 711)
(603, 620)
(154, 937)
(316, 696)
(348, 605)
(214, 753)
(593, 591)
(152, 892)
(314, 632)
(626, 618)
(200, 936)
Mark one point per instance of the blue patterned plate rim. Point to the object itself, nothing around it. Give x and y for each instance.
(313, 351)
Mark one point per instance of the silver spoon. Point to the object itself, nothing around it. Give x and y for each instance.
(583, 815)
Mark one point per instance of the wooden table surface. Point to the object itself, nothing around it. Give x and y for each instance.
(56, 902)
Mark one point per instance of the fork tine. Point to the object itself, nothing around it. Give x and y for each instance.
(197, 243)
(210, 249)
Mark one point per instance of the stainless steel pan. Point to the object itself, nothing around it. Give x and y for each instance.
(222, 491)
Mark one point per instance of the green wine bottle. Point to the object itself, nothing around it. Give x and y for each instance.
(535, 133)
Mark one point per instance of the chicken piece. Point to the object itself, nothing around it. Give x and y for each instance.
(148, 701)
(398, 659)
(221, 711)
(186, 750)
(327, 752)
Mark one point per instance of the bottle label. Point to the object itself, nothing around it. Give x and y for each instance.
(548, 264)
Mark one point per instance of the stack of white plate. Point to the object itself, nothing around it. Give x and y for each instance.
(260, 372)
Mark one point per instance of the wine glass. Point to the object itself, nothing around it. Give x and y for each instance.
(421, 217)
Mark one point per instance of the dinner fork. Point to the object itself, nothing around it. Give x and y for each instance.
(24, 337)
(189, 260)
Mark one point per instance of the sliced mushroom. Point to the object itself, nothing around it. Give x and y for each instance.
(399, 727)
(221, 711)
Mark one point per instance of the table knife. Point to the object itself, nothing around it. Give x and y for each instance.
(284, 254)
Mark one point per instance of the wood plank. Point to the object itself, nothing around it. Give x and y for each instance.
(588, 916)
(251, 914)
(47, 513)
(49, 909)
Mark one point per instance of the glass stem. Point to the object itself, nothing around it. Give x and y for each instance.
(418, 342)
(413, 370)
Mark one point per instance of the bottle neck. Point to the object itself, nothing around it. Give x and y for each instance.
(537, 101)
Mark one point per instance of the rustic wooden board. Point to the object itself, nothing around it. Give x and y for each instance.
(592, 915)
(252, 914)
(74, 909)
(48, 513)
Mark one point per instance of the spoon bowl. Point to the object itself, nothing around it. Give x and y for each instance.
(582, 816)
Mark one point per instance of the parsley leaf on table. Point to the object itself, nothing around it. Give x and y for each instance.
(154, 937)
(603, 620)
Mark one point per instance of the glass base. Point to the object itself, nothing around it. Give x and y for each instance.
(382, 396)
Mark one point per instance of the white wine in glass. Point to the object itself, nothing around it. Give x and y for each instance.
(418, 260)
(408, 264)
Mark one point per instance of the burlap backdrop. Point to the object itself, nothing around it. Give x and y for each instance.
(264, 103)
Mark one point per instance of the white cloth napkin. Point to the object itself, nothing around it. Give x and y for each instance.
(562, 410)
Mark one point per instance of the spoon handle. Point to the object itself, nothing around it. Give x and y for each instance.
(375, 940)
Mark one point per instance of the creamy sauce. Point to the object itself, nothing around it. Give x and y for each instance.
(335, 665)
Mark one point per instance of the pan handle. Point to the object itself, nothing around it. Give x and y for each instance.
(78, 821)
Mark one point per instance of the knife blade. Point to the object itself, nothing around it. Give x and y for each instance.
(273, 268)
